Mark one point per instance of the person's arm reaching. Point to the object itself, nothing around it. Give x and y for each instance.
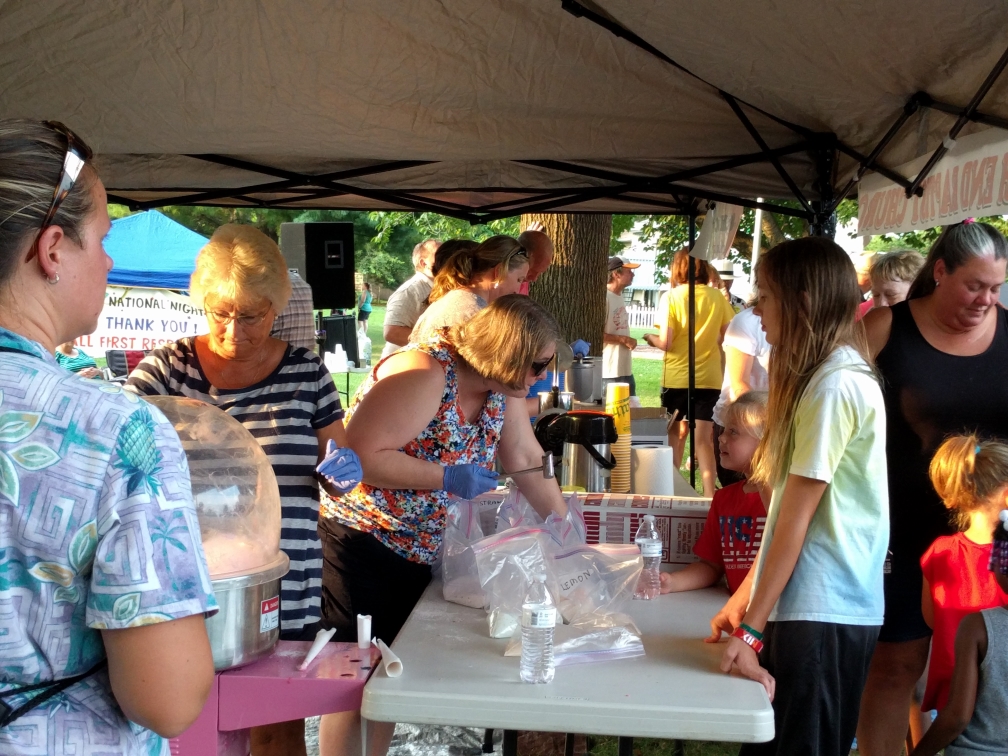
(519, 450)
(697, 575)
(161, 674)
(731, 614)
(970, 649)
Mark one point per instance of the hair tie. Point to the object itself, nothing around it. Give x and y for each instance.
(976, 450)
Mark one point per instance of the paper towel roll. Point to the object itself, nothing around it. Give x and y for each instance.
(652, 471)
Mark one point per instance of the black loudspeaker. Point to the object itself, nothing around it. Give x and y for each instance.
(341, 329)
(323, 253)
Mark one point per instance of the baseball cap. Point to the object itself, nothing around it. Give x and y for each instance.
(615, 263)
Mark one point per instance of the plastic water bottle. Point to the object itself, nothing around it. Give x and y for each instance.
(538, 621)
(364, 349)
(650, 545)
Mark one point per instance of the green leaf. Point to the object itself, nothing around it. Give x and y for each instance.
(34, 456)
(50, 572)
(10, 485)
(67, 595)
(126, 607)
(82, 547)
(15, 426)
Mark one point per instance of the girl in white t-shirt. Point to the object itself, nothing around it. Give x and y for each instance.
(805, 621)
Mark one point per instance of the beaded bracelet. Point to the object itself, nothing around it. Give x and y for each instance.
(748, 638)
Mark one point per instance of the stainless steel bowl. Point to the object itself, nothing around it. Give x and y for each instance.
(248, 623)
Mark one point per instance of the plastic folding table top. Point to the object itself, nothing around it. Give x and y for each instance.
(455, 674)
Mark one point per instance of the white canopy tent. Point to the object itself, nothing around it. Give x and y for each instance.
(486, 108)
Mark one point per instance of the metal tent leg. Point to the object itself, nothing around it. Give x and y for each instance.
(510, 745)
(625, 746)
(488, 741)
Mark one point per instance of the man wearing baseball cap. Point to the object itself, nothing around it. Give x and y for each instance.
(617, 361)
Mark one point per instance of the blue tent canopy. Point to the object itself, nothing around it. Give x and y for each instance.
(152, 250)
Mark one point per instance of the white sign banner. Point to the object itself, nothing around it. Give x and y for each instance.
(970, 181)
(717, 232)
(143, 319)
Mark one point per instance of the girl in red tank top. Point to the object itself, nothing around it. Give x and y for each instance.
(971, 476)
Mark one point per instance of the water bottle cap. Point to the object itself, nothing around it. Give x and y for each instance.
(649, 517)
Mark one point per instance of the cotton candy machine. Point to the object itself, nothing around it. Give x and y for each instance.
(238, 504)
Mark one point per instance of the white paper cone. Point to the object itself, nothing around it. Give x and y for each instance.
(321, 638)
(391, 662)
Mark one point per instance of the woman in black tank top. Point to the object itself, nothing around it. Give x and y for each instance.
(943, 358)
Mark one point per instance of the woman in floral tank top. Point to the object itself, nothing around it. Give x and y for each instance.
(427, 423)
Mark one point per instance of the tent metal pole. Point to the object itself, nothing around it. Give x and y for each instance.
(690, 403)
(927, 101)
(964, 118)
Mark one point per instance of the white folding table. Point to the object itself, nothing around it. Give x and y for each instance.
(455, 674)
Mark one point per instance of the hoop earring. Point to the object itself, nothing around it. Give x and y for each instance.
(53, 281)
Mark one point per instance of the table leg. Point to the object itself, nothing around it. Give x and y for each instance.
(569, 744)
(625, 747)
(488, 741)
(510, 745)
(363, 736)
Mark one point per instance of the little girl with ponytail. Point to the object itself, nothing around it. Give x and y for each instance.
(971, 477)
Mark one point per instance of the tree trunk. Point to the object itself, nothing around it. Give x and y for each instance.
(573, 288)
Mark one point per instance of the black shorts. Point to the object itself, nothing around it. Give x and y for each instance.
(903, 582)
(820, 669)
(704, 400)
(362, 576)
(362, 316)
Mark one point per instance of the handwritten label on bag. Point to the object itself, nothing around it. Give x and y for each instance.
(269, 614)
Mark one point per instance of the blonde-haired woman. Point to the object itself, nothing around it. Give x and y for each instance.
(282, 394)
(471, 279)
(427, 423)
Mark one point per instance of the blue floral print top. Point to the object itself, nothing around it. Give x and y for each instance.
(411, 522)
(97, 531)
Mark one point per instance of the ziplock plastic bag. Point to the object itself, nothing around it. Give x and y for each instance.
(507, 564)
(459, 576)
(595, 580)
(595, 638)
(516, 512)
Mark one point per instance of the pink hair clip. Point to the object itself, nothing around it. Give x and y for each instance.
(967, 221)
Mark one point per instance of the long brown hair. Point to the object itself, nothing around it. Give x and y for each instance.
(498, 253)
(816, 285)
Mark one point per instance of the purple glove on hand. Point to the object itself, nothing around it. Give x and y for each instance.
(341, 467)
(468, 481)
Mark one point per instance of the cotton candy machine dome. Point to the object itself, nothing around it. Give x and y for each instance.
(238, 505)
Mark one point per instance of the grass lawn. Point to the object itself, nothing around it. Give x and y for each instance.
(607, 746)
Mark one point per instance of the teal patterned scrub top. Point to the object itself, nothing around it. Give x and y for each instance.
(97, 531)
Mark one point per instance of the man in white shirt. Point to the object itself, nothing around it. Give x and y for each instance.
(617, 361)
(408, 302)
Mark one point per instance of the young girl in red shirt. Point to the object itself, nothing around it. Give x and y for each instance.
(971, 476)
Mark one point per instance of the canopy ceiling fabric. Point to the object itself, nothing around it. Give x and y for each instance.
(483, 108)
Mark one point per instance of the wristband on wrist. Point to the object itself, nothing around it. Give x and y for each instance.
(748, 638)
(754, 633)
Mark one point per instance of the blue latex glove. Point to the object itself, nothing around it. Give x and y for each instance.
(468, 481)
(580, 348)
(341, 467)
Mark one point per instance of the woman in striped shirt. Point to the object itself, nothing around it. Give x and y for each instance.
(282, 394)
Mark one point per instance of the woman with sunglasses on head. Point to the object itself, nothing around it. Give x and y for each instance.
(92, 610)
(428, 422)
(469, 280)
(282, 394)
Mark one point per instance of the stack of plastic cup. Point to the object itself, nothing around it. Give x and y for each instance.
(618, 405)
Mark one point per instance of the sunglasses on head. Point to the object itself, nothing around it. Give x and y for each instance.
(539, 366)
(77, 154)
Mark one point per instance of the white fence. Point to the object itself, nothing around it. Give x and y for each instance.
(641, 317)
